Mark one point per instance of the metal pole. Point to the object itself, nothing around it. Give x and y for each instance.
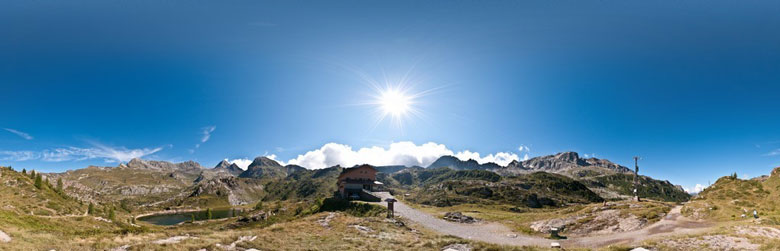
(636, 178)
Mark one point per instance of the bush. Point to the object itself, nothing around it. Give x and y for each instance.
(351, 208)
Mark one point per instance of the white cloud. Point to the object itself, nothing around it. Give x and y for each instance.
(98, 151)
(19, 155)
(242, 163)
(19, 133)
(206, 132)
(398, 153)
(524, 148)
(696, 189)
(773, 153)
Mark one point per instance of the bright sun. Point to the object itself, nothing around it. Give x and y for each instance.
(394, 103)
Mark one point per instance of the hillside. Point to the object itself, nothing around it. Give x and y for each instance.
(20, 195)
(730, 197)
(609, 180)
(447, 187)
(137, 186)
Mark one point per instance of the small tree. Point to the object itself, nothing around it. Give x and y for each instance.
(259, 205)
(32, 174)
(91, 209)
(192, 217)
(111, 214)
(59, 185)
(38, 181)
(208, 213)
(24, 171)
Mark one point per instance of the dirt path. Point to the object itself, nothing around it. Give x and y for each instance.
(673, 223)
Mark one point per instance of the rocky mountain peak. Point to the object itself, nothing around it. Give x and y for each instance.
(455, 163)
(265, 162)
(569, 160)
(222, 164)
(571, 157)
(231, 168)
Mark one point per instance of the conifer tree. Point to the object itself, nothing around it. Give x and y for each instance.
(38, 181)
(59, 185)
(91, 209)
(208, 213)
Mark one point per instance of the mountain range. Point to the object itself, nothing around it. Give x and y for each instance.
(150, 184)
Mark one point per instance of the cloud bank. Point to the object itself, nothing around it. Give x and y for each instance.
(19, 133)
(398, 153)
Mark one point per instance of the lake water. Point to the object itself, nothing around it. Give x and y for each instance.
(173, 219)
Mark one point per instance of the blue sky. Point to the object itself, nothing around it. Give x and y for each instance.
(691, 86)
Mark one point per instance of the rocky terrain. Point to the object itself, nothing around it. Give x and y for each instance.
(615, 217)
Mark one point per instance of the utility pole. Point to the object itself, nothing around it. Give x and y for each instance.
(636, 178)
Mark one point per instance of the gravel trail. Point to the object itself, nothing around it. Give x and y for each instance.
(674, 223)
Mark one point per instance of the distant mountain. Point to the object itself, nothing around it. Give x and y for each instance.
(187, 166)
(457, 164)
(609, 180)
(264, 167)
(568, 163)
(225, 166)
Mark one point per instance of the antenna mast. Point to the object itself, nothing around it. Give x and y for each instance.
(636, 178)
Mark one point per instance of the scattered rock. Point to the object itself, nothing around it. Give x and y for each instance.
(121, 248)
(173, 240)
(4, 237)
(363, 229)
(232, 245)
(457, 247)
(325, 221)
(459, 217)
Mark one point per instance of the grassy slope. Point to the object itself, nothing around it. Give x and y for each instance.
(623, 184)
(729, 197)
(19, 195)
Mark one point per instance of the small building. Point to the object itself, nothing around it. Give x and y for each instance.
(358, 183)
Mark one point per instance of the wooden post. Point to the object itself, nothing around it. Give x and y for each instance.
(390, 213)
